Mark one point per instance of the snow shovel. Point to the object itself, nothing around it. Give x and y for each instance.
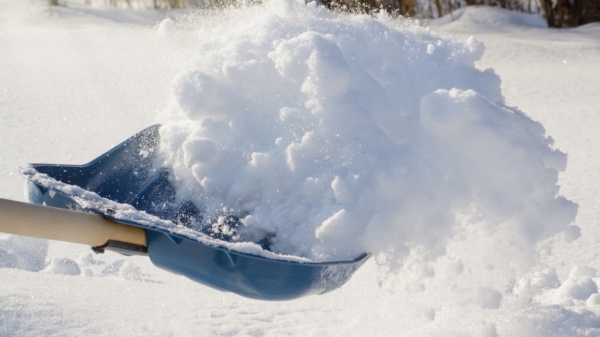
(126, 180)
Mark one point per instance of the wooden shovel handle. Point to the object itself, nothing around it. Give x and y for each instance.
(60, 224)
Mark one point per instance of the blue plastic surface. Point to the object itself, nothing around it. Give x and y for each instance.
(127, 174)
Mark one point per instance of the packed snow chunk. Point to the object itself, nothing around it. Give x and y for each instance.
(198, 150)
(475, 51)
(488, 298)
(593, 300)
(489, 330)
(63, 266)
(430, 314)
(166, 28)
(546, 279)
(579, 285)
(572, 233)
(326, 136)
(30, 253)
(538, 283)
(323, 71)
(430, 48)
(459, 266)
(582, 271)
(186, 88)
(557, 321)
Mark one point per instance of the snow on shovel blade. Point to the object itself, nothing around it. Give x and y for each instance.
(128, 175)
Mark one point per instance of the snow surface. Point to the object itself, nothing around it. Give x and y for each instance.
(71, 88)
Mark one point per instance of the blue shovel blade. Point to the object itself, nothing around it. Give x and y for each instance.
(128, 174)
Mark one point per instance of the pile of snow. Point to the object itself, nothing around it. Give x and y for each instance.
(580, 284)
(577, 290)
(336, 135)
(488, 18)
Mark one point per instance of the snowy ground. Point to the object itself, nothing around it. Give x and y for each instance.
(75, 82)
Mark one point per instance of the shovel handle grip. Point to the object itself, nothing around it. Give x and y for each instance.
(63, 225)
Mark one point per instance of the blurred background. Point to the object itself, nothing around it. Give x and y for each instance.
(557, 13)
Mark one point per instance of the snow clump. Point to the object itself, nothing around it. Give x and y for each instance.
(63, 266)
(166, 28)
(579, 285)
(334, 135)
